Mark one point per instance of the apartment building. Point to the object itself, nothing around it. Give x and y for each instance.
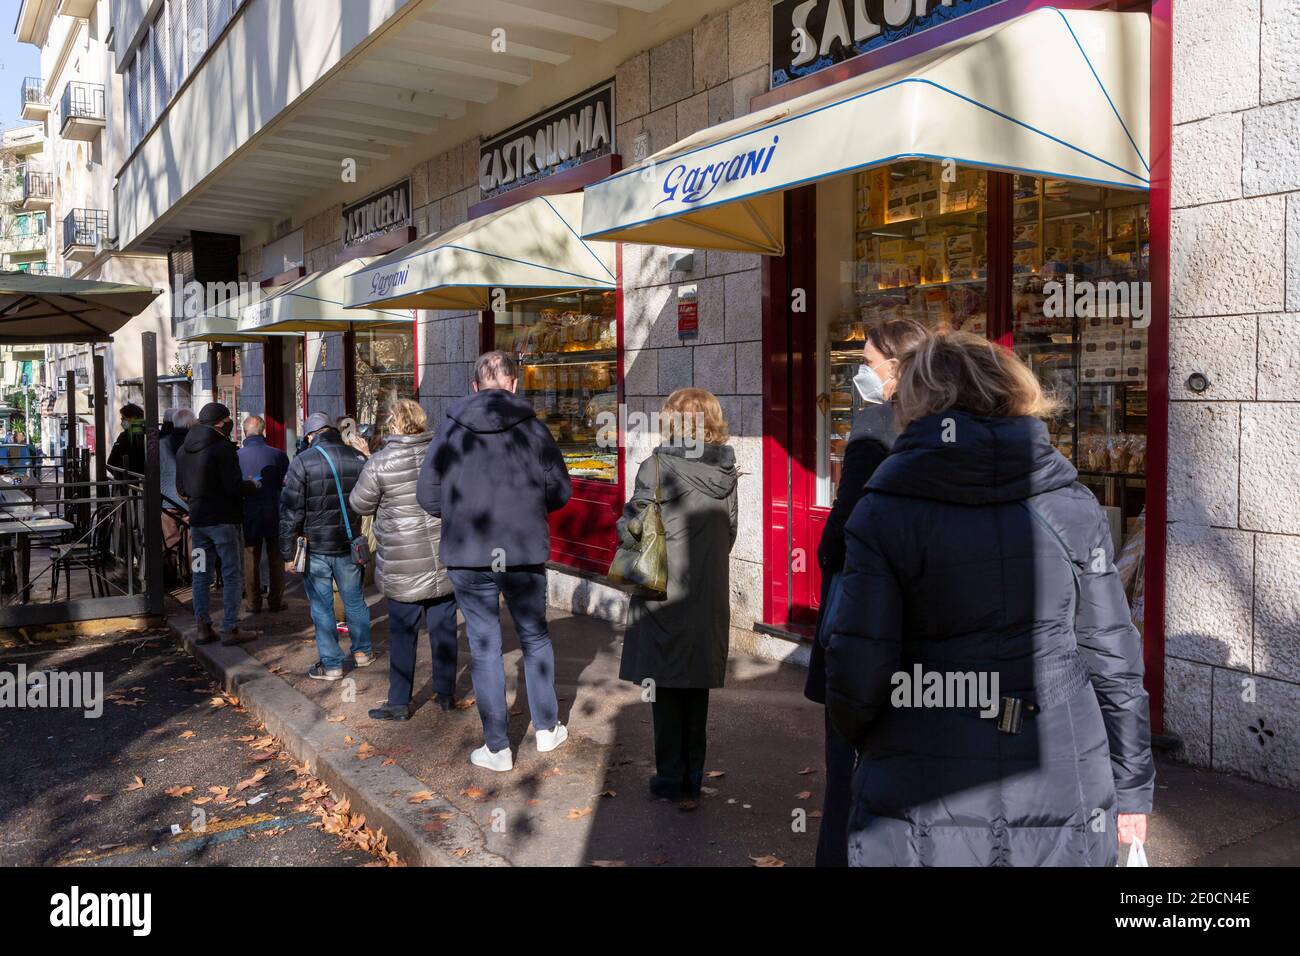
(77, 100)
(301, 138)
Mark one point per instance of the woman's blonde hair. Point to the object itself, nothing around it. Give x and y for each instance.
(407, 418)
(967, 372)
(688, 408)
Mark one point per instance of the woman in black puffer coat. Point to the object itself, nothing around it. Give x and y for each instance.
(975, 554)
(415, 582)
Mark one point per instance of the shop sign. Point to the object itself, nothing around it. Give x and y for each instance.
(688, 312)
(570, 134)
(810, 35)
(378, 213)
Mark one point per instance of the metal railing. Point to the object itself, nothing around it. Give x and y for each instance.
(82, 101)
(37, 185)
(33, 92)
(84, 227)
(16, 242)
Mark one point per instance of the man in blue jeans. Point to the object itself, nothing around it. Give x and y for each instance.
(314, 505)
(209, 479)
(493, 473)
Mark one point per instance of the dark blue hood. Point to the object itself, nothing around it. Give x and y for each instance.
(983, 460)
(491, 410)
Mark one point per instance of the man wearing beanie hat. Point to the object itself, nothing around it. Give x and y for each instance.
(209, 479)
(316, 491)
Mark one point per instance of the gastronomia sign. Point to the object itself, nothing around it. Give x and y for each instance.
(810, 35)
(574, 132)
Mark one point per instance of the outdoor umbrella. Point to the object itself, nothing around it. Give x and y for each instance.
(46, 309)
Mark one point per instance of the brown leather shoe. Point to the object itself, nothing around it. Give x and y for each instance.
(236, 636)
(205, 634)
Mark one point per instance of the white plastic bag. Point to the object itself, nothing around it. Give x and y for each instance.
(1137, 854)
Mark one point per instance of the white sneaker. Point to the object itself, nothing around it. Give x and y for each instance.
(548, 740)
(499, 760)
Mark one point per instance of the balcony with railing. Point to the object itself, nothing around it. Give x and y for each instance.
(38, 189)
(20, 239)
(81, 110)
(84, 231)
(35, 104)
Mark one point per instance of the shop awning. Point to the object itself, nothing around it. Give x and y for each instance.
(316, 303)
(36, 309)
(220, 324)
(533, 246)
(1051, 93)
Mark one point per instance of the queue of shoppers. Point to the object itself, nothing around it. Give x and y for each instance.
(960, 544)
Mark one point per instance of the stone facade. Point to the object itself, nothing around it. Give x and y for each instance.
(1232, 669)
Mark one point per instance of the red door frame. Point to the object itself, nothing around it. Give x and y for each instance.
(273, 390)
(789, 376)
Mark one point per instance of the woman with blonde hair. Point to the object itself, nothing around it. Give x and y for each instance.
(410, 576)
(981, 656)
(680, 643)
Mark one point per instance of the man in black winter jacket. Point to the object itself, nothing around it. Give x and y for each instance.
(209, 479)
(314, 505)
(493, 474)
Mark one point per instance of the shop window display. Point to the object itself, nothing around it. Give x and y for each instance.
(918, 251)
(1080, 257)
(567, 347)
(385, 375)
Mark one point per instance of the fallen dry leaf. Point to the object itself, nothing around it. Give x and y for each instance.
(336, 719)
(576, 814)
(187, 735)
(421, 796)
(465, 703)
(714, 774)
(609, 863)
(198, 802)
(136, 784)
(388, 762)
(768, 860)
(254, 779)
(461, 852)
(262, 742)
(94, 797)
(608, 793)
(218, 702)
(805, 771)
(474, 793)
(178, 791)
(365, 752)
(803, 795)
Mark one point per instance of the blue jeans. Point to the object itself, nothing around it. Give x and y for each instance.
(323, 571)
(224, 543)
(478, 594)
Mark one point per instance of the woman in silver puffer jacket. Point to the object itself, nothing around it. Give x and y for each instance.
(409, 572)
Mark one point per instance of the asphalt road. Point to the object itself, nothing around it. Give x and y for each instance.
(71, 795)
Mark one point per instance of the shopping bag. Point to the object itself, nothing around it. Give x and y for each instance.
(1137, 854)
(644, 564)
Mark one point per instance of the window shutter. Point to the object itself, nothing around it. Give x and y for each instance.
(158, 49)
(176, 33)
(218, 17)
(196, 30)
(144, 86)
(132, 102)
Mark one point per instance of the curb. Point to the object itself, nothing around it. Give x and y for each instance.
(378, 792)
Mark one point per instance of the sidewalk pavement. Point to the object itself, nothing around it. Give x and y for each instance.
(586, 802)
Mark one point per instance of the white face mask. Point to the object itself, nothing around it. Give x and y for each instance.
(869, 385)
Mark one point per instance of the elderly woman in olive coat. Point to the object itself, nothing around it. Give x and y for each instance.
(680, 643)
(410, 575)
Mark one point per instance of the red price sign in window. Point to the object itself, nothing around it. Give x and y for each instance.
(688, 313)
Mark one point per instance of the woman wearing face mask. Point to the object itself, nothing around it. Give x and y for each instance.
(872, 436)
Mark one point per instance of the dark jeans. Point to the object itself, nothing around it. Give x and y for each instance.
(478, 593)
(833, 837)
(680, 715)
(403, 638)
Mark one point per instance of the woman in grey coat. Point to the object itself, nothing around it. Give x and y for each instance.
(681, 642)
(410, 576)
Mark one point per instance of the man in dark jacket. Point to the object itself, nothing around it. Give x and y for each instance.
(208, 478)
(128, 450)
(265, 467)
(493, 474)
(312, 505)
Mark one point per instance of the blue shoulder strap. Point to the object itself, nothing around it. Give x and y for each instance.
(338, 486)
